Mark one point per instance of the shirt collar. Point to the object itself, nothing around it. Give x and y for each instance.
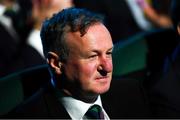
(77, 108)
(2, 9)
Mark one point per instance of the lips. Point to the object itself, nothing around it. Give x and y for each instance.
(103, 78)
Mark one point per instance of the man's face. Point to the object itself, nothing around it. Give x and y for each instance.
(89, 65)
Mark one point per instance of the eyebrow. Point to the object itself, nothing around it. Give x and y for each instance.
(110, 49)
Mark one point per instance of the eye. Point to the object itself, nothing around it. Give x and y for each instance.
(93, 56)
(109, 53)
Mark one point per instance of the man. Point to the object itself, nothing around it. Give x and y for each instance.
(165, 100)
(78, 48)
(81, 63)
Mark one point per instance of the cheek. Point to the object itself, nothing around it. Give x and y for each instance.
(111, 65)
(89, 69)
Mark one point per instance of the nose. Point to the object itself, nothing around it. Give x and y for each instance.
(105, 65)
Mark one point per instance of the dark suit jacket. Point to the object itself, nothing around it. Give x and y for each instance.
(14, 55)
(42, 104)
(165, 93)
(126, 99)
(8, 47)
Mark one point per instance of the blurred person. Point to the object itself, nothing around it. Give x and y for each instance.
(138, 14)
(165, 99)
(7, 5)
(81, 70)
(14, 56)
(159, 18)
(8, 40)
(126, 18)
(42, 9)
(120, 16)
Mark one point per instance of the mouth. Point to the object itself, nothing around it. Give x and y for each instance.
(102, 78)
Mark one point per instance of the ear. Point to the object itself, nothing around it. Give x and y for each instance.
(53, 61)
(178, 28)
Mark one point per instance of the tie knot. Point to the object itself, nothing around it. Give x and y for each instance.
(94, 112)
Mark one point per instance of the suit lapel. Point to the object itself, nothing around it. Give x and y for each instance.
(55, 108)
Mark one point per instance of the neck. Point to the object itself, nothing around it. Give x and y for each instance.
(74, 92)
(88, 98)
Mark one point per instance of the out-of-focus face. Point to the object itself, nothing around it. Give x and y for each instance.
(43, 9)
(89, 66)
(58, 5)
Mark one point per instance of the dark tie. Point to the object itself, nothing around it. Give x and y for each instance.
(94, 112)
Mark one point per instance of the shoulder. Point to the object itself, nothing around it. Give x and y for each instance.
(43, 104)
(126, 99)
(33, 107)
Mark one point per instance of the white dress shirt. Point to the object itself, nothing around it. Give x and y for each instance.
(34, 40)
(77, 109)
(138, 14)
(7, 22)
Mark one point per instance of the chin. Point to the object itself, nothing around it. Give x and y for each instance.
(102, 90)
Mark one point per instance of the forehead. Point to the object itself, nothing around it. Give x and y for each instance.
(95, 34)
